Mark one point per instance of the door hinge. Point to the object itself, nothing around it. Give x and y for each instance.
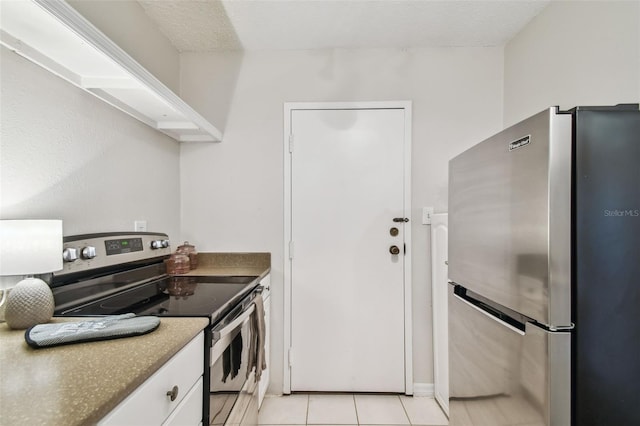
(290, 357)
(290, 249)
(291, 143)
(404, 248)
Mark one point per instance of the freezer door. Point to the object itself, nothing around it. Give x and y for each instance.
(502, 375)
(510, 218)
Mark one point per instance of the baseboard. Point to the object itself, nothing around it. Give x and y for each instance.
(423, 389)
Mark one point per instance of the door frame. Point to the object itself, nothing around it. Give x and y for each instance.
(408, 324)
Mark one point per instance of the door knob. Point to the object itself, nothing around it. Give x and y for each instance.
(394, 250)
(401, 219)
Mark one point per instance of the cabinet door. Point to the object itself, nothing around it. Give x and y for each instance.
(264, 380)
(149, 403)
(439, 288)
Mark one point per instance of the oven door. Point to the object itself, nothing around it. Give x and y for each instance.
(232, 389)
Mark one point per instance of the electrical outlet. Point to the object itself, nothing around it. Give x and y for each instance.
(427, 212)
(140, 226)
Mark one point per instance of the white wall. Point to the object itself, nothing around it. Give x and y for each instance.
(211, 83)
(126, 24)
(232, 192)
(574, 53)
(64, 154)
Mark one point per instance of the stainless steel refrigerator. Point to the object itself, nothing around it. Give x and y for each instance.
(544, 264)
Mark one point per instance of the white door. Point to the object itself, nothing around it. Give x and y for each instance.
(347, 288)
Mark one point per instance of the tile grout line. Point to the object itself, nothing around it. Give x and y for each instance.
(405, 410)
(355, 407)
(358, 422)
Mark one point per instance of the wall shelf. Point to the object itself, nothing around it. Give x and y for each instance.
(55, 36)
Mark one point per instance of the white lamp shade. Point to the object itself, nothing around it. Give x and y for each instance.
(30, 246)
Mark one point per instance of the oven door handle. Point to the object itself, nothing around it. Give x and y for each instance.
(229, 328)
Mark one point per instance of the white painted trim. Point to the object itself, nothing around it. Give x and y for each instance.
(423, 389)
(408, 317)
(286, 267)
(408, 313)
(349, 105)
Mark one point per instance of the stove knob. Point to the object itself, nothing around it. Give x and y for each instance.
(156, 244)
(165, 243)
(88, 252)
(70, 254)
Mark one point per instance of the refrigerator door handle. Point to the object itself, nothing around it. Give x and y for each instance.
(488, 315)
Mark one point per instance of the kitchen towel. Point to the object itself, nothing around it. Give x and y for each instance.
(105, 328)
(232, 358)
(256, 345)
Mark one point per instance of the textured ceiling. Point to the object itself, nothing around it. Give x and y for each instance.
(207, 25)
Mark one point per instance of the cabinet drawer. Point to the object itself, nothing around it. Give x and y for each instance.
(189, 412)
(149, 403)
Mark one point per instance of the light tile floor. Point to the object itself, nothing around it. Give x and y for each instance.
(350, 409)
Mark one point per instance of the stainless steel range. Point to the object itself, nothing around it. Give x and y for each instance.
(115, 273)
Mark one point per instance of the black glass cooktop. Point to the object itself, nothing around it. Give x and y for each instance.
(171, 296)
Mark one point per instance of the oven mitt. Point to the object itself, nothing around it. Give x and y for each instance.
(105, 328)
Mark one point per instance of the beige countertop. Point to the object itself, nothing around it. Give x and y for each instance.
(258, 264)
(79, 384)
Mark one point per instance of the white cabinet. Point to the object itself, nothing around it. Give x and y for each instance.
(55, 36)
(263, 384)
(189, 411)
(151, 403)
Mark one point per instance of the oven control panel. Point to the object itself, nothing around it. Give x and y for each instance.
(124, 245)
(91, 251)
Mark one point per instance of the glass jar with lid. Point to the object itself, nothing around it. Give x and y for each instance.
(190, 251)
(177, 263)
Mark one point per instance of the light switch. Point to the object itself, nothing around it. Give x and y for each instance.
(427, 212)
(140, 226)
